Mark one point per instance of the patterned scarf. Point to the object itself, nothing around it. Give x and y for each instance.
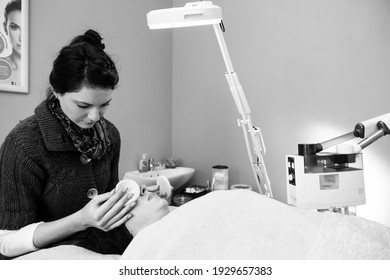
(92, 143)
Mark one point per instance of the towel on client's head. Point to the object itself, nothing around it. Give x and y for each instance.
(242, 224)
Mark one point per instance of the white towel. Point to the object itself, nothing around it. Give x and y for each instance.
(241, 224)
(346, 237)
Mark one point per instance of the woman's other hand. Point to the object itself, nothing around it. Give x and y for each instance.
(108, 211)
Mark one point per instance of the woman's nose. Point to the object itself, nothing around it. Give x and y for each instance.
(94, 114)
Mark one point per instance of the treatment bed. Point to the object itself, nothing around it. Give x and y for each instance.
(241, 224)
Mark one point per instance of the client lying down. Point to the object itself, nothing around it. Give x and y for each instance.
(241, 224)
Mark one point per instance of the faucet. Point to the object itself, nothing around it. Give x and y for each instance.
(152, 164)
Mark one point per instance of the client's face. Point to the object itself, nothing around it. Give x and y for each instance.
(150, 208)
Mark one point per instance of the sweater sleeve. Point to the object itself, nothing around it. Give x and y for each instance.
(14, 243)
(20, 183)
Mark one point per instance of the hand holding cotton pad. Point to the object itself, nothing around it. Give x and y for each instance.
(131, 186)
(163, 188)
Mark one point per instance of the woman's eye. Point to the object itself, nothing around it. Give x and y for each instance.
(14, 27)
(87, 106)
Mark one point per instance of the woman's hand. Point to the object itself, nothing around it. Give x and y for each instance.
(107, 211)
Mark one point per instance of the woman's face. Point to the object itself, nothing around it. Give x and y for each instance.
(14, 30)
(85, 107)
(150, 208)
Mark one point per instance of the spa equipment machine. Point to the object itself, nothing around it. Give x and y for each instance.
(329, 175)
(205, 13)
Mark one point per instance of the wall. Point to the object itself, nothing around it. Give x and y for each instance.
(310, 70)
(141, 107)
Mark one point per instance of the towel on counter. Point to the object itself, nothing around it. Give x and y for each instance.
(240, 224)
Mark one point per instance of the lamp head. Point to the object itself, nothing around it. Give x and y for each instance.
(192, 14)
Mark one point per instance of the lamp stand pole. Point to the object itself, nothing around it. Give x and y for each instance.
(253, 138)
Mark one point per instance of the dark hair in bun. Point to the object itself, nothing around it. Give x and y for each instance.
(90, 37)
(83, 63)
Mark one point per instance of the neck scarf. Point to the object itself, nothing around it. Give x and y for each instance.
(92, 143)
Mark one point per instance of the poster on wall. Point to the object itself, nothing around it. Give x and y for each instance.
(14, 46)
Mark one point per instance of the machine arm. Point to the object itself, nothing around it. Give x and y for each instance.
(370, 130)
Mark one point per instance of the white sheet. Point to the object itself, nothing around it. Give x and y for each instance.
(241, 224)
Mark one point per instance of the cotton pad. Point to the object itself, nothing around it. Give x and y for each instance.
(131, 186)
(164, 186)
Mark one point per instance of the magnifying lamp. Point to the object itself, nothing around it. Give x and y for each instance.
(206, 13)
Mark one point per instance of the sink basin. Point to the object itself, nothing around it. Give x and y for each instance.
(177, 176)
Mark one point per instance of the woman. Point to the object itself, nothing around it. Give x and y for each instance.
(59, 167)
(151, 207)
(13, 28)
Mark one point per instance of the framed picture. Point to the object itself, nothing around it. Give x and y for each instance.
(14, 70)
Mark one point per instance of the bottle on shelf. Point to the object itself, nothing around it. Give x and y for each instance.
(143, 163)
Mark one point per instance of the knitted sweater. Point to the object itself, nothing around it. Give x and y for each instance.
(43, 179)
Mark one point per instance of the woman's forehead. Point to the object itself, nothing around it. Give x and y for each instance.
(91, 96)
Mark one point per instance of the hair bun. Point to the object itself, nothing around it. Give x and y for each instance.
(93, 38)
(100, 47)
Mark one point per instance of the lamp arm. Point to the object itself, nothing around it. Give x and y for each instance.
(253, 137)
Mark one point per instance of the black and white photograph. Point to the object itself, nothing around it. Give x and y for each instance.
(194, 139)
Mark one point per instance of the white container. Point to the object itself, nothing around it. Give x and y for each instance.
(220, 180)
